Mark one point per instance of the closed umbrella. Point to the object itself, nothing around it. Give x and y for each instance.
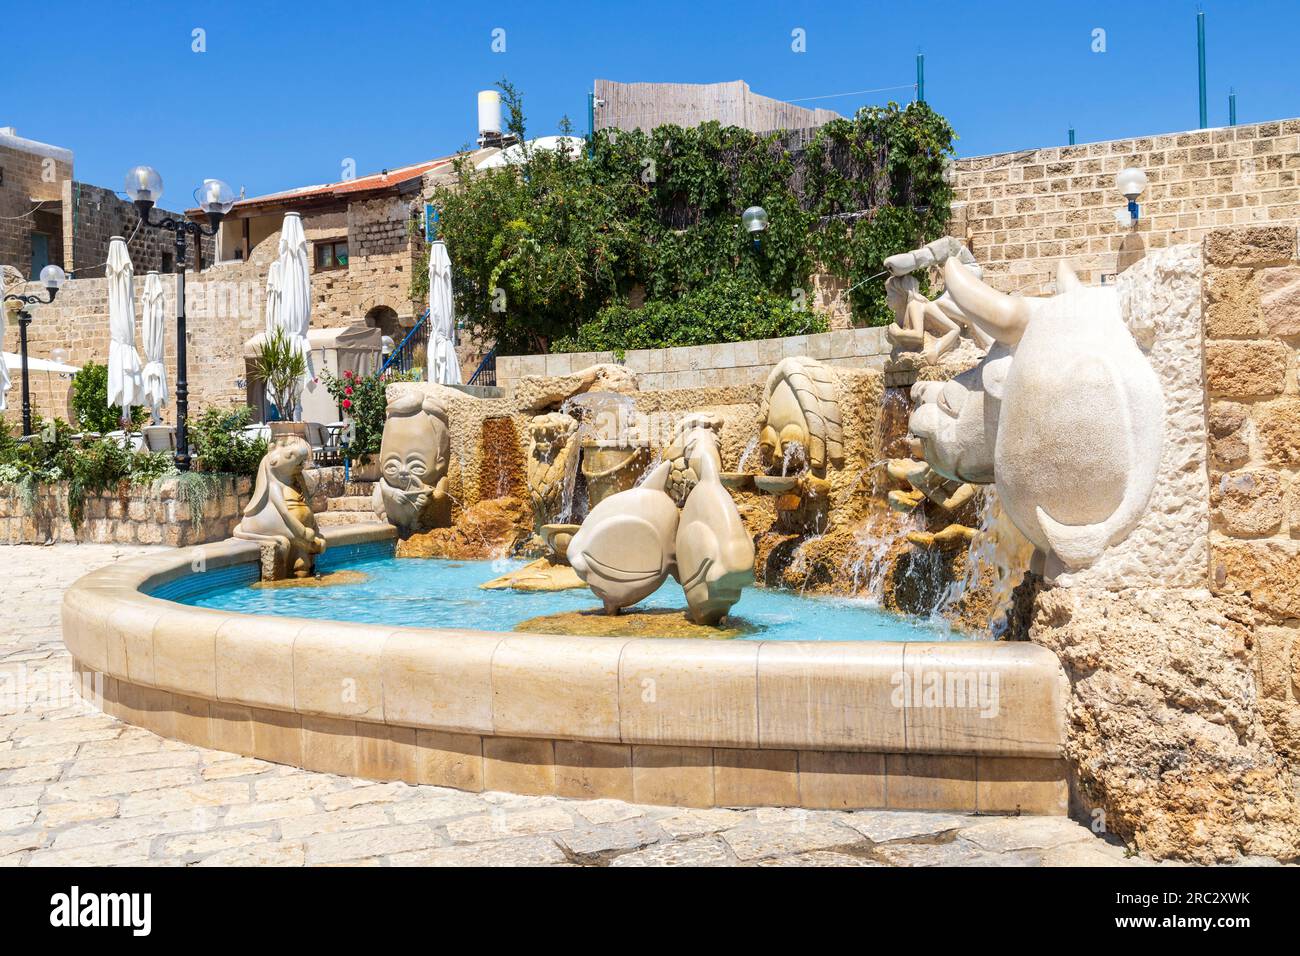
(154, 376)
(123, 362)
(293, 310)
(4, 366)
(273, 297)
(444, 366)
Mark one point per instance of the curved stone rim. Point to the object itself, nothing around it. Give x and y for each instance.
(755, 705)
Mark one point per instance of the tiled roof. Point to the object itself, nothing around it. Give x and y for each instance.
(361, 184)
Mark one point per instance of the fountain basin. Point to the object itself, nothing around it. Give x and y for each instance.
(700, 723)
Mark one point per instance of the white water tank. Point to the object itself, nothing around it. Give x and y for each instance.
(489, 113)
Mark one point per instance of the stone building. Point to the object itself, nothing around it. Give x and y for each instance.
(32, 176)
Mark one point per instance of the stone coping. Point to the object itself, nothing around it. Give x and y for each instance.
(530, 698)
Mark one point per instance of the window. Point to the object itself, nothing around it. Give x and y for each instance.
(332, 254)
(168, 262)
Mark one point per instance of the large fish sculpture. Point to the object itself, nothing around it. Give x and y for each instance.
(1067, 403)
(626, 547)
(715, 554)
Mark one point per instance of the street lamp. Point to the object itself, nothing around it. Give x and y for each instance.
(144, 188)
(1131, 182)
(52, 277)
(754, 219)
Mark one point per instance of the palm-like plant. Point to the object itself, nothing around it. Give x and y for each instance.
(281, 367)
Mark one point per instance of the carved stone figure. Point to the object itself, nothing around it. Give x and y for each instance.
(550, 451)
(715, 555)
(799, 416)
(695, 433)
(1067, 409)
(914, 314)
(279, 515)
(411, 493)
(626, 547)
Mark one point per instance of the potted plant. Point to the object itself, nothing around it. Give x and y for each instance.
(281, 367)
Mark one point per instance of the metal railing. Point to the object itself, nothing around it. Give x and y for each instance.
(486, 373)
(402, 358)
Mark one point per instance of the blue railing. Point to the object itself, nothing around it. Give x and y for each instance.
(403, 357)
(486, 373)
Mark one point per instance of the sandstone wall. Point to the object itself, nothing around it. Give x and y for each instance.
(1252, 320)
(136, 514)
(710, 366)
(93, 215)
(1020, 211)
(30, 174)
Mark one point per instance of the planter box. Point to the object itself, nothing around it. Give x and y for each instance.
(135, 514)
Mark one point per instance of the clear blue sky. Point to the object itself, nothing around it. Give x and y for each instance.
(287, 91)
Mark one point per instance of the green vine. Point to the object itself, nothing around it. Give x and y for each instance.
(540, 249)
(196, 489)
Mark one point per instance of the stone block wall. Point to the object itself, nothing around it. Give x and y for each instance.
(93, 215)
(1252, 321)
(710, 366)
(30, 173)
(135, 514)
(1023, 210)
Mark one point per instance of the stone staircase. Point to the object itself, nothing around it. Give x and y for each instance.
(351, 507)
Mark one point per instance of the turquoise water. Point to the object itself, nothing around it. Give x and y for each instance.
(434, 593)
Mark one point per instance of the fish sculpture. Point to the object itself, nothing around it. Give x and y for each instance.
(715, 554)
(1067, 404)
(626, 547)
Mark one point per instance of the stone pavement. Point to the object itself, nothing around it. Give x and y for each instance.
(77, 787)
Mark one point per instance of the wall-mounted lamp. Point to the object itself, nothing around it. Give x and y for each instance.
(1130, 182)
(754, 219)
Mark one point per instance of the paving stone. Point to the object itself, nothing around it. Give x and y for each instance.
(703, 851)
(61, 814)
(956, 853)
(692, 823)
(335, 821)
(270, 810)
(208, 794)
(436, 804)
(530, 851)
(265, 854)
(198, 844)
(1008, 834)
(359, 844)
(377, 793)
(754, 842)
(885, 826)
(609, 811)
(239, 767)
(495, 826)
(821, 858)
(604, 840)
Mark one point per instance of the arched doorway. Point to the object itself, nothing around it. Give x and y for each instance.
(385, 319)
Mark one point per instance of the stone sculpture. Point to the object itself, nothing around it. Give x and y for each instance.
(411, 493)
(914, 314)
(550, 453)
(626, 547)
(696, 432)
(799, 416)
(279, 516)
(715, 555)
(1065, 409)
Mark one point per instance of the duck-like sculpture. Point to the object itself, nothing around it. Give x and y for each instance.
(626, 548)
(715, 555)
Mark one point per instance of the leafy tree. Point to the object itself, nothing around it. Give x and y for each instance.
(90, 402)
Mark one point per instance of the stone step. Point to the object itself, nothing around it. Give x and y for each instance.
(366, 488)
(330, 519)
(350, 503)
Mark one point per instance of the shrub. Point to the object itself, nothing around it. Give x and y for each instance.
(90, 402)
(220, 443)
(730, 310)
(365, 404)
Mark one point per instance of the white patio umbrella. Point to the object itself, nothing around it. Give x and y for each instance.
(444, 366)
(293, 309)
(123, 362)
(152, 324)
(12, 360)
(4, 366)
(273, 297)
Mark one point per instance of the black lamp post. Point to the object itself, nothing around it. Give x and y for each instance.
(52, 277)
(144, 187)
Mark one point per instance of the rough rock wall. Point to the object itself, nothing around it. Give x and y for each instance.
(1160, 298)
(1166, 736)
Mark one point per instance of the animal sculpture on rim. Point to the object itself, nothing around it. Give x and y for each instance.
(1064, 415)
(279, 513)
(715, 554)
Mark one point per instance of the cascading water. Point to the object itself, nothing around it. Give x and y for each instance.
(996, 562)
